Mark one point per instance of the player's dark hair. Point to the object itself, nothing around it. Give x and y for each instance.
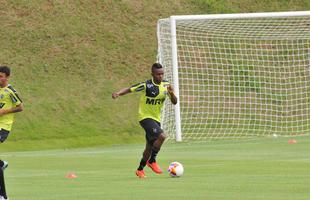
(156, 66)
(6, 70)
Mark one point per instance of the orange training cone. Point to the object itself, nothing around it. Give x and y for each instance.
(71, 175)
(292, 141)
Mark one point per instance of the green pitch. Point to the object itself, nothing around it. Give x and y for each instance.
(253, 169)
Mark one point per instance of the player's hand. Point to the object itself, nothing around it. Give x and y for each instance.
(115, 95)
(170, 89)
(172, 96)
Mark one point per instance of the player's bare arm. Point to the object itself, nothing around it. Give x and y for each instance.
(16, 109)
(121, 93)
(173, 98)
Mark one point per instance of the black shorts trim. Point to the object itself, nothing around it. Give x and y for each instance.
(152, 129)
(4, 135)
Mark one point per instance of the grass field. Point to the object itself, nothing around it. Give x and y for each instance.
(67, 57)
(252, 169)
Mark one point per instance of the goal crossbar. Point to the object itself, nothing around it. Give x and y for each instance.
(242, 15)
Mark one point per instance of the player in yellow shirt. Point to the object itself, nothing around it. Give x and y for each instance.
(10, 103)
(154, 93)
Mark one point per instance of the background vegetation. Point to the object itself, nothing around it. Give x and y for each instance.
(68, 57)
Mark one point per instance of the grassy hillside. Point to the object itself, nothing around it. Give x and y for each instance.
(68, 57)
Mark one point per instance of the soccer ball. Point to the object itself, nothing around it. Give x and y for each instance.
(175, 169)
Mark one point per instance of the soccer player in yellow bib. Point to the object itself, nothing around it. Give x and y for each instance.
(10, 103)
(154, 92)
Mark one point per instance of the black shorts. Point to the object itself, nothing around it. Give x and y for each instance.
(152, 129)
(3, 135)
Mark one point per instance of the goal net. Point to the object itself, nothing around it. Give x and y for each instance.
(236, 75)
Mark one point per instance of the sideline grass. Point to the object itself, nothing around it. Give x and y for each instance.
(253, 169)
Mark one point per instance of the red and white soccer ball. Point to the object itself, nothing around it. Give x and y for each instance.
(175, 169)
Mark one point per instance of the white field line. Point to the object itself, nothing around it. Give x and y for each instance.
(86, 151)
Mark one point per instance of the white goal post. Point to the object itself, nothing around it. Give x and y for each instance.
(236, 75)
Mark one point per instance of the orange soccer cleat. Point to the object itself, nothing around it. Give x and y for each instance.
(155, 167)
(140, 174)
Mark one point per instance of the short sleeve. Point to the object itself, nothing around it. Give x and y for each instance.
(15, 98)
(138, 87)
